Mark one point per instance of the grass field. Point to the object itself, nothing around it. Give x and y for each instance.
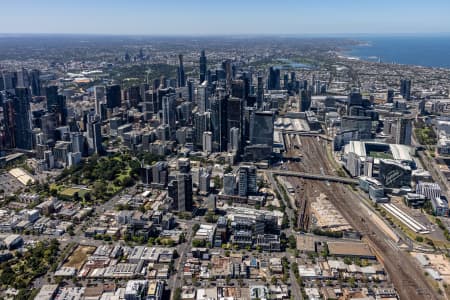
(69, 192)
(79, 256)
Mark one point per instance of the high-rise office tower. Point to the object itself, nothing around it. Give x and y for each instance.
(97, 137)
(8, 134)
(238, 89)
(113, 96)
(35, 82)
(390, 96)
(247, 181)
(229, 184)
(207, 142)
(23, 79)
(48, 126)
(235, 139)
(134, 95)
(234, 113)
(405, 88)
(180, 190)
(235, 108)
(226, 65)
(99, 95)
(203, 66)
(169, 111)
(261, 128)
(19, 122)
(191, 90)
(260, 92)
(202, 123)
(56, 104)
(305, 100)
(293, 79)
(184, 113)
(203, 97)
(219, 123)
(9, 81)
(286, 81)
(274, 79)
(403, 131)
(180, 74)
(161, 92)
(78, 143)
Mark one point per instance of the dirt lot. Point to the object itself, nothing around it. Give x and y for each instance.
(79, 256)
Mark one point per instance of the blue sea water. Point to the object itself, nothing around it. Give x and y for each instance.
(430, 51)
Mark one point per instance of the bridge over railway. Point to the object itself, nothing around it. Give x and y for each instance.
(314, 176)
(305, 133)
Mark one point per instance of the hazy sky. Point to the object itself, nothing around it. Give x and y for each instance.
(184, 17)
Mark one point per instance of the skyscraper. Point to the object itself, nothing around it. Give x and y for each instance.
(226, 65)
(203, 97)
(113, 96)
(180, 191)
(23, 79)
(35, 82)
(238, 89)
(219, 123)
(134, 95)
(390, 96)
(403, 131)
(9, 81)
(260, 92)
(56, 104)
(99, 95)
(191, 90)
(261, 128)
(203, 66)
(23, 136)
(305, 100)
(97, 137)
(247, 181)
(405, 88)
(169, 111)
(274, 79)
(202, 123)
(229, 184)
(235, 139)
(180, 74)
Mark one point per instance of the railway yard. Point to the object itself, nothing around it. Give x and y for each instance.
(405, 273)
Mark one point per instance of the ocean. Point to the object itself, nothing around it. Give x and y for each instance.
(431, 51)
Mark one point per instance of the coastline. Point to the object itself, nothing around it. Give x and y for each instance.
(423, 52)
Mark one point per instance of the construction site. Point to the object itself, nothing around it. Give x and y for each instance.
(316, 158)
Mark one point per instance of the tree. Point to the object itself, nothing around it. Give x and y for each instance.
(195, 227)
(177, 294)
(228, 169)
(87, 197)
(273, 280)
(292, 242)
(198, 243)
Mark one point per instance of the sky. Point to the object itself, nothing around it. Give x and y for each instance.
(212, 17)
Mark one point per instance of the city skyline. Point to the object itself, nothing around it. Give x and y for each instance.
(228, 18)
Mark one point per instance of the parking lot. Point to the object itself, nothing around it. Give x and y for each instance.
(9, 184)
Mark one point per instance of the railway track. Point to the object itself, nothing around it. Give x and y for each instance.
(404, 272)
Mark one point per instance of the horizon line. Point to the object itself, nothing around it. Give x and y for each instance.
(291, 35)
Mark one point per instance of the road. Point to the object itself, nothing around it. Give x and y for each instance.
(176, 280)
(318, 176)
